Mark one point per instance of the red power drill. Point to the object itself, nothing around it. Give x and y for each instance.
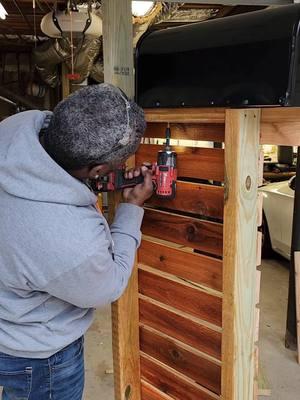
(164, 175)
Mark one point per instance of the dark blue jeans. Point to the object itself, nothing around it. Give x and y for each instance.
(60, 377)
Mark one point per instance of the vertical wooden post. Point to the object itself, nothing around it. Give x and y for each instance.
(118, 70)
(65, 83)
(240, 235)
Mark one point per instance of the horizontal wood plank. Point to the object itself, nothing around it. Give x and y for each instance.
(201, 235)
(192, 115)
(189, 332)
(170, 382)
(149, 392)
(204, 132)
(192, 162)
(187, 265)
(189, 300)
(280, 126)
(203, 371)
(195, 198)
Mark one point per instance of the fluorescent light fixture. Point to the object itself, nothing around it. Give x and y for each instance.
(141, 8)
(3, 12)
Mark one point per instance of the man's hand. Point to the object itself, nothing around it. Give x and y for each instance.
(141, 192)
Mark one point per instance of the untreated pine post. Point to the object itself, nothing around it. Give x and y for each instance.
(240, 235)
(118, 70)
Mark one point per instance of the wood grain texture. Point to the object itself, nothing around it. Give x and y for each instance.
(192, 301)
(202, 235)
(239, 265)
(118, 44)
(118, 70)
(187, 331)
(206, 132)
(126, 341)
(189, 115)
(186, 265)
(65, 83)
(168, 352)
(280, 126)
(149, 392)
(192, 162)
(170, 382)
(195, 198)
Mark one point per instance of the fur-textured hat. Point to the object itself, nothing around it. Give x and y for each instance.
(96, 124)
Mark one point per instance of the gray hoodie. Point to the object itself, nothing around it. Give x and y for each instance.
(58, 258)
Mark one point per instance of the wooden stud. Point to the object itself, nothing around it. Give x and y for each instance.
(239, 263)
(65, 83)
(118, 70)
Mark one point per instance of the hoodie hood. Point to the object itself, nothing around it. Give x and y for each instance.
(26, 169)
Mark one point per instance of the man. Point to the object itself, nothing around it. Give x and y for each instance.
(58, 258)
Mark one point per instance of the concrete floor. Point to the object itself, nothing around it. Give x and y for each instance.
(279, 364)
(99, 383)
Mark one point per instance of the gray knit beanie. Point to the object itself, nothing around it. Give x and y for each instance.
(96, 124)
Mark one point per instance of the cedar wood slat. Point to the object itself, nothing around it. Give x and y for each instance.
(195, 198)
(202, 235)
(187, 265)
(192, 301)
(195, 335)
(170, 382)
(205, 132)
(192, 162)
(203, 371)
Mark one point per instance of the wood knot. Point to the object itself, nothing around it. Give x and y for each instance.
(191, 231)
(161, 258)
(128, 392)
(248, 183)
(175, 354)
